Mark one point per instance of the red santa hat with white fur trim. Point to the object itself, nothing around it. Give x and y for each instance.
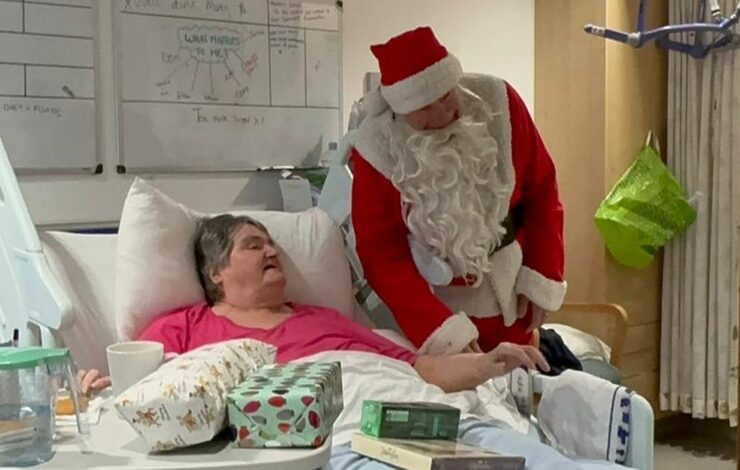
(415, 71)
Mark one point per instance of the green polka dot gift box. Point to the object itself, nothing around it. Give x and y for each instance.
(286, 405)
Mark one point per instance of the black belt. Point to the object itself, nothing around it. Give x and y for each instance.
(509, 235)
(508, 238)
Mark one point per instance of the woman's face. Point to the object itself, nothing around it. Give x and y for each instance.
(254, 265)
(437, 115)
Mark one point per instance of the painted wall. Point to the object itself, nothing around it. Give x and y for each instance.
(488, 36)
(495, 36)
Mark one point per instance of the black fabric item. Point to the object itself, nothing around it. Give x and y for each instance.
(508, 238)
(557, 353)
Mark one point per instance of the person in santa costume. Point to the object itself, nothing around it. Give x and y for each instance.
(451, 168)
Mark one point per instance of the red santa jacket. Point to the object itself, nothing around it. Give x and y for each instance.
(382, 235)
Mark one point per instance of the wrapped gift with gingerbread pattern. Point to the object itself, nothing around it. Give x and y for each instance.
(286, 405)
(184, 401)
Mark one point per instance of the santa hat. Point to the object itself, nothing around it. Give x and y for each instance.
(415, 71)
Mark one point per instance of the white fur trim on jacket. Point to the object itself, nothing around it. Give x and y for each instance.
(496, 296)
(451, 336)
(373, 103)
(544, 292)
(425, 87)
(503, 278)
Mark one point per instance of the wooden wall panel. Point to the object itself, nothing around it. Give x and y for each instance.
(595, 100)
(570, 71)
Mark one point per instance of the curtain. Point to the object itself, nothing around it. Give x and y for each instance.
(700, 299)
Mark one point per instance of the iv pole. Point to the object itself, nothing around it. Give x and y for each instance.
(721, 27)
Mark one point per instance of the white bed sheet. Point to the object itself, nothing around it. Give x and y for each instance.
(368, 376)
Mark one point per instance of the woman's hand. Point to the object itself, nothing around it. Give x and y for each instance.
(508, 356)
(465, 371)
(90, 381)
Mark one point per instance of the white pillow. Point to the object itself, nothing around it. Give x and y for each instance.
(155, 264)
(582, 345)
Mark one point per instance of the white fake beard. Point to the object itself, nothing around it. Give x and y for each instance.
(452, 196)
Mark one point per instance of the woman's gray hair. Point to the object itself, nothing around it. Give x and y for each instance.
(214, 240)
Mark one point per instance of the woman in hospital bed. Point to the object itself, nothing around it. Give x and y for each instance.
(244, 282)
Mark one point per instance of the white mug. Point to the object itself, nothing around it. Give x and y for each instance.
(131, 361)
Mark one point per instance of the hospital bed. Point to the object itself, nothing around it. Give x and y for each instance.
(58, 287)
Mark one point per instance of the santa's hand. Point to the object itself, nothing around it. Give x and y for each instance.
(538, 313)
(538, 318)
(522, 306)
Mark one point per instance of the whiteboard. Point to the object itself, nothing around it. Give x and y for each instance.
(47, 85)
(209, 85)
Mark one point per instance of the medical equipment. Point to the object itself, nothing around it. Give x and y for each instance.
(715, 35)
